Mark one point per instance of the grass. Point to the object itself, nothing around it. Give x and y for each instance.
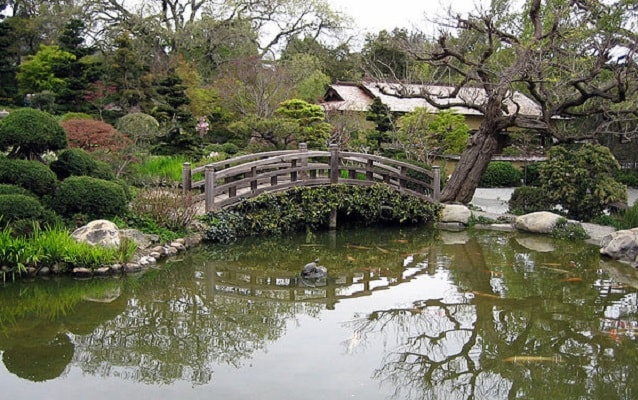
(55, 246)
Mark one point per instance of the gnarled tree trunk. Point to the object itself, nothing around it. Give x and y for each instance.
(474, 160)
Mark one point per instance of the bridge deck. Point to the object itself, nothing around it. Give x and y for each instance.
(226, 182)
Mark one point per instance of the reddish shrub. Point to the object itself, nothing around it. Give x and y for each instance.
(91, 135)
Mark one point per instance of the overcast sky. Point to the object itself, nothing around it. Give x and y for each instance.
(375, 15)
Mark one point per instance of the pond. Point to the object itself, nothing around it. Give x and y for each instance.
(403, 314)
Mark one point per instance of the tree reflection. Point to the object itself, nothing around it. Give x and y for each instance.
(520, 339)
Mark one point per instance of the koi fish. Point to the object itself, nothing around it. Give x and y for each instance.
(350, 258)
(383, 250)
(401, 241)
(354, 246)
(572, 279)
(562, 271)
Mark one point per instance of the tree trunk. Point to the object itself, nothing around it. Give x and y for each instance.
(474, 160)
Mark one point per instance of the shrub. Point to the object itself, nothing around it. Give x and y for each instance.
(94, 197)
(528, 199)
(14, 189)
(31, 175)
(230, 148)
(568, 230)
(168, 208)
(75, 115)
(73, 162)
(309, 208)
(627, 177)
(581, 180)
(501, 174)
(15, 207)
(28, 133)
(92, 135)
(139, 127)
(532, 174)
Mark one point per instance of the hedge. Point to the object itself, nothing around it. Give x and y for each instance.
(96, 198)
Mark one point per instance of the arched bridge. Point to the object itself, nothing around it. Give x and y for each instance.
(227, 182)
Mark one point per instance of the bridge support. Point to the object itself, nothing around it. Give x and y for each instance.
(332, 222)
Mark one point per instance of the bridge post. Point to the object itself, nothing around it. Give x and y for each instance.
(303, 147)
(334, 163)
(186, 178)
(436, 183)
(209, 188)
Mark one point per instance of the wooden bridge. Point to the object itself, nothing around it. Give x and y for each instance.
(227, 182)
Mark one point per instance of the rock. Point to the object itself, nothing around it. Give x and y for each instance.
(82, 272)
(178, 245)
(132, 267)
(103, 271)
(539, 244)
(452, 238)
(142, 240)
(621, 245)
(537, 222)
(456, 213)
(44, 271)
(100, 232)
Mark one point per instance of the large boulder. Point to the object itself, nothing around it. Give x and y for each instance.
(142, 240)
(456, 213)
(621, 245)
(537, 222)
(100, 232)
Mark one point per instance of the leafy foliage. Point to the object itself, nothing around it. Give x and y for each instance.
(501, 174)
(423, 136)
(581, 180)
(91, 135)
(15, 207)
(78, 162)
(28, 133)
(569, 230)
(528, 199)
(31, 175)
(310, 208)
(94, 197)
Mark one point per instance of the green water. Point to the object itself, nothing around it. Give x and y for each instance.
(404, 314)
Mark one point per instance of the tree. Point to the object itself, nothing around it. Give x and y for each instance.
(91, 135)
(141, 128)
(41, 72)
(581, 180)
(423, 136)
(562, 54)
(164, 25)
(28, 133)
(380, 115)
(8, 63)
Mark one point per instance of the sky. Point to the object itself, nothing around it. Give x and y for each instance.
(371, 16)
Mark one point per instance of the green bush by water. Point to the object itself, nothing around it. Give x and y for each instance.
(501, 174)
(309, 209)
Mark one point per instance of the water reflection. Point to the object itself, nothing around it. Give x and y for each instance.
(504, 316)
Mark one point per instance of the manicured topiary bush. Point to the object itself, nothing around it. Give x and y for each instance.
(73, 162)
(528, 199)
(501, 174)
(96, 198)
(15, 207)
(31, 175)
(14, 189)
(28, 133)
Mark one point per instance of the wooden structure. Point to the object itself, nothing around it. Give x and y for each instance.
(227, 182)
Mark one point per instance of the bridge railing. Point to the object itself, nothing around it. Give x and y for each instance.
(228, 182)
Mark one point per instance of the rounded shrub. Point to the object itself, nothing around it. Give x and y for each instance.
(73, 162)
(28, 133)
(31, 175)
(14, 189)
(528, 199)
(501, 174)
(97, 198)
(75, 115)
(14, 207)
(230, 148)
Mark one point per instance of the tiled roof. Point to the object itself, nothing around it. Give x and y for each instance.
(353, 97)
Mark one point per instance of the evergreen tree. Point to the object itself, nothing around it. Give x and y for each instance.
(8, 64)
